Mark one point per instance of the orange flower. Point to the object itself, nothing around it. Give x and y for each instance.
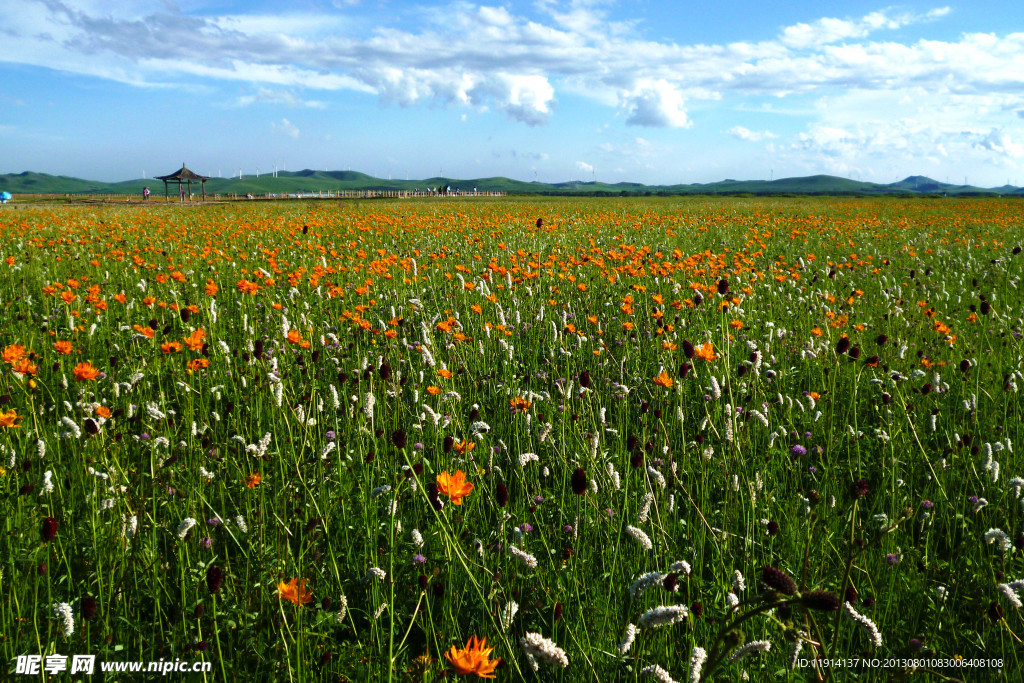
(433, 390)
(445, 373)
(144, 331)
(455, 485)
(817, 332)
(519, 403)
(253, 480)
(102, 411)
(663, 380)
(294, 337)
(463, 447)
(736, 324)
(246, 287)
(170, 347)
(25, 367)
(295, 591)
(198, 364)
(7, 419)
(211, 287)
(705, 352)
(195, 340)
(62, 347)
(473, 659)
(85, 372)
(13, 353)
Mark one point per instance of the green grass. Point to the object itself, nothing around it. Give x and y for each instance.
(342, 485)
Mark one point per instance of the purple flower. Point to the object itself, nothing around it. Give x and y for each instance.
(538, 499)
(330, 435)
(892, 559)
(144, 436)
(798, 450)
(813, 470)
(418, 559)
(927, 504)
(418, 446)
(567, 528)
(213, 521)
(206, 542)
(526, 528)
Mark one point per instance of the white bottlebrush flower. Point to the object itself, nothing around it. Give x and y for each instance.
(1007, 590)
(645, 508)
(749, 649)
(67, 619)
(869, 626)
(697, 658)
(377, 573)
(738, 583)
(507, 614)
(537, 646)
(732, 600)
(240, 523)
(999, 537)
(380, 611)
(665, 615)
(48, 481)
(380, 491)
(185, 526)
(368, 403)
(657, 673)
(41, 448)
(656, 476)
(644, 582)
(205, 473)
(640, 537)
(680, 567)
(129, 526)
(525, 558)
(527, 458)
(627, 639)
(342, 609)
(417, 538)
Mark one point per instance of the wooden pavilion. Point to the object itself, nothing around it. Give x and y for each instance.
(183, 177)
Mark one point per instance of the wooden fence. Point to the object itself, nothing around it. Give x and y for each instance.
(263, 196)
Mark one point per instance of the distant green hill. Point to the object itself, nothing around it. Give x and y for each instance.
(306, 181)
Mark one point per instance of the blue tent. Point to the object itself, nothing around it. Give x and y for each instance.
(5, 197)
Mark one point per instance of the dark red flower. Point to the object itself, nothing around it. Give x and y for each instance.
(579, 481)
(49, 529)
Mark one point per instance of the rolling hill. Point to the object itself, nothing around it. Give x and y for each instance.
(307, 180)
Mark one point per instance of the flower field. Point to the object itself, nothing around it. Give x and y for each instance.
(554, 440)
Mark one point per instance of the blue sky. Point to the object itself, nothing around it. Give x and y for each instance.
(582, 89)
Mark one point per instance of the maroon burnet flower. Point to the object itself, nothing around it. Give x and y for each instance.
(49, 529)
(579, 481)
(822, 601)
(843, 345)
(778, 580)
(88, 608)
(859, 488)
(214, 578)
(501, 494)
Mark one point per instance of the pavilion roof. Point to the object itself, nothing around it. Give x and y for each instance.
(183, 174)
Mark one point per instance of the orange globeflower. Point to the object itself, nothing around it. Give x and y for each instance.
(102, 411)
(25, 367)
(195, 340)
(253, 480)
(663, 380)
(198, 364)
(433, 390)
(7, 419)
(473, 659)
(211, 287)
(295, 591)
(454, 486)
(705, 352)
(170, 347)
(85, 372)
(444, 372)
(13, 353)
(519, 403)
(62, 347)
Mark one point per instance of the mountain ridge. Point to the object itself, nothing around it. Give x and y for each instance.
(308, 180)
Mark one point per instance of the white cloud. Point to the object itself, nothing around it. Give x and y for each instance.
(286, 127)
(584, 166)
(741, 133)
(830, 30)
(656, 104)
